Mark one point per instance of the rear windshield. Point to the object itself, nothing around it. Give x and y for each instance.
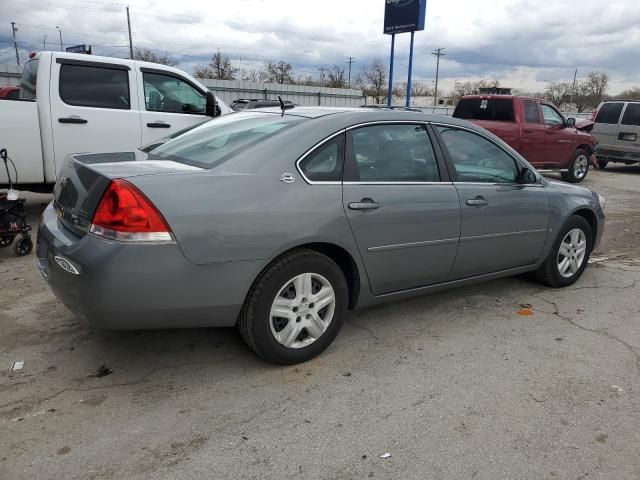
(215, 141)
(28, 80)
(494, 109)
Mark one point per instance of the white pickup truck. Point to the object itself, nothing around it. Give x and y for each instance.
(74, 103)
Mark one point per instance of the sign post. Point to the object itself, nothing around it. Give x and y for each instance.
(402, 16)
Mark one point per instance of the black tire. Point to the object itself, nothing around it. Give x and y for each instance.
(575, 174)
(254, 323)
(6, 241)
(602, 163)
(23, 247)
(549, 273)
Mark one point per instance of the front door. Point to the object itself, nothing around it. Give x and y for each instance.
(94, 108)
(504, 223)
(168, 103)
(559, 145)
(404, 214)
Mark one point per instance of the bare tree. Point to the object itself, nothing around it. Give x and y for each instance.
(277, 72)
(630, 94)
(337, 77)
(250, 75)
(471, 88)
(596, 85)
(147, 55)
(558, 92)
(220, 67)
(372, 79)
(307, 81)
(421, 89)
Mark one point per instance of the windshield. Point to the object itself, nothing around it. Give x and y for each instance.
(217, 140)
(28, 80)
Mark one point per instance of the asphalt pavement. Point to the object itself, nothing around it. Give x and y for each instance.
(506, 379)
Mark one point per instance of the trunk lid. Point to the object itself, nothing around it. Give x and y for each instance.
(84, 178)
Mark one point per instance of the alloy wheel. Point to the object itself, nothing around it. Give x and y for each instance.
(572, 252)
(580, 166)
(302, 310)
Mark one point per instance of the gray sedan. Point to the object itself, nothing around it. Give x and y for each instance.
(280, 224)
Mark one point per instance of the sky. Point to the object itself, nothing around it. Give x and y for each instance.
(522, 43)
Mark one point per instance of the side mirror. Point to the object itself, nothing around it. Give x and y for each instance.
(527, 176)
(213, 110)
(570, 122)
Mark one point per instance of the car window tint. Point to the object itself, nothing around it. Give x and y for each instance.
(531, 112)
(97, 87)
(394, 153)
(631, 114)
(551, 116)
(325, 163)
(169, 94)
(217, 140)
(494, 109)
(609, 113)
(477, 159)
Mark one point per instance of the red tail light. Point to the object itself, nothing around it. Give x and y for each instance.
(125, 214)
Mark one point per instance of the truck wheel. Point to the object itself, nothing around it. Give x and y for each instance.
(578, 167)
(23, 246)
(295, 308)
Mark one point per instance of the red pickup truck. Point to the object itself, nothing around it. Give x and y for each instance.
(535, 129)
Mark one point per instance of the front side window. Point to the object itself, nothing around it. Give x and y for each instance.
(28, 80)
(325, 163)
(609, 113)
(551, 115)
(393, 153)
(215, 141)
(477, 159)
(531, 112)
(97, 87)
(632, 115)
(169, 94)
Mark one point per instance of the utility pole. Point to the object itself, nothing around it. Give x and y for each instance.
(322, 70)
(573, 89)
(44, 43)
(130, 40)
(14, 29)
(60, 32)
(350, 61)
(438, 53)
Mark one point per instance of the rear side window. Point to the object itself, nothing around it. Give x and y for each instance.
(531, 112)
(97, 87)
(218, 140)
(494, 109)
(609, 113)
(325, 163)
(632, 114)
(28, 80)
(393, 153)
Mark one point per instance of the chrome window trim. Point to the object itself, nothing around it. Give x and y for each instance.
(470, 130)
(397, 183)
(498, 184)
(310, 151)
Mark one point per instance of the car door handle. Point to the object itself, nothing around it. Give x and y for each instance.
(72, 120)
(529, 131)
(477, 202)
(158, 125)
(364, 204)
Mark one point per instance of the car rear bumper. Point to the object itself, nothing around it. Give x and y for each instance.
(123, 286)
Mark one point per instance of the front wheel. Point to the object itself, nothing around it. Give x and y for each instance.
(295, 308)
(569, 255)
(578, 167)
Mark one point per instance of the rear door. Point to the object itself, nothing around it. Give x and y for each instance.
(93, 107)
(628, 138)
(606, 126)
(168, 103)
(403, 209)
(504, 223)
(533, 133)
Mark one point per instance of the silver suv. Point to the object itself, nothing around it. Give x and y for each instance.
(617, 129)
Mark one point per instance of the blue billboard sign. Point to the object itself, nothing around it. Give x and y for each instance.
(79, 49)
(404, 15)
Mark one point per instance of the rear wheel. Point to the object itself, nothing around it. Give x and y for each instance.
(602, 162)
(578, 167)
(569, 255)
(24, 246)
(295, 308)
(6, 241)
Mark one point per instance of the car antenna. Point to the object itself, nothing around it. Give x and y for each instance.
(284, 107)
